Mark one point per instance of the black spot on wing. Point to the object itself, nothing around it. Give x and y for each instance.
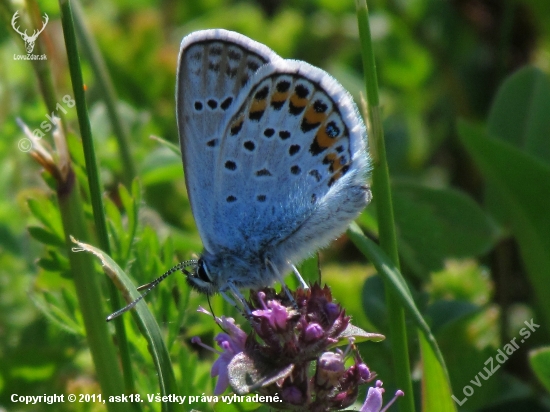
(295, 110)
(320, 106)
(282, 86)
(284, 134)
(292, 150)
(262, 93)
(215, 50)
(234, 55)
(252, 65)
(301, 90)
(226, 103)
(295, 170)
(306, 126)
(315, 149)
(236, 128)
(215, 67)
(316, 175)
(332, 130)
(263, 172)
(256, 115)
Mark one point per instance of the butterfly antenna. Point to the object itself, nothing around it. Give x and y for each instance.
(148, 287)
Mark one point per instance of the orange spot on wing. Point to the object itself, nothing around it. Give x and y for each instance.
(298, 101)
(236, 125)
(324, 140)
(314, 117)
(279, 97)
(336, 166)
(258, 106)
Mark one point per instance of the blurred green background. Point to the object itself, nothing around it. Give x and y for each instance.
(465, 98)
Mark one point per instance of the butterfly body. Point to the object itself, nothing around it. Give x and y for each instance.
(275, 158)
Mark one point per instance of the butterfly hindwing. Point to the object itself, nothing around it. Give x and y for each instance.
(293, 155)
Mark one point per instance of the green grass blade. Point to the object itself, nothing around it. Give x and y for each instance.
(384, 208)
(92, 172)
(433, 388)
(146, 322)
(105, 85)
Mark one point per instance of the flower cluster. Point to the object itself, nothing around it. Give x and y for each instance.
(291, 352)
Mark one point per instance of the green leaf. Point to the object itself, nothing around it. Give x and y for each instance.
(444, 312)
(436, 391)
(540, 363)
(146, 322)
(131, 208)
(374, 302)
(57, 313)
(161, 166)
(387, 269)
(359, 334)
(436, 224)
(309, 269)
(54, 263)
(435, 371)
(8, 240)
(519, 114)
(113, 215)
(522, 183)
(47, 214)
(45, 236)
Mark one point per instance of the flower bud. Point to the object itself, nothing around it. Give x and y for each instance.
(330, 369)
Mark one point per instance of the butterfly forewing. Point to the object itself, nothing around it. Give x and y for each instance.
(214, 65)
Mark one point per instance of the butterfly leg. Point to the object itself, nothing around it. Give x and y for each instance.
(239, 297)
(300, 278)
(282, 281)
(228, 299)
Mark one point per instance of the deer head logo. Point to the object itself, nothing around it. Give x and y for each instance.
(29, 40)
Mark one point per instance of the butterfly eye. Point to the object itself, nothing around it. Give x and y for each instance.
(202, 272)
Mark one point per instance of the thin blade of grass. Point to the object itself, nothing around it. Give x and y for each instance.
(146, 323)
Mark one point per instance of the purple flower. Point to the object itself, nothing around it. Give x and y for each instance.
(364, 372)
(293, 395)
(313, 332)
(330, 368)
(291, 337)
(275, 313)
(373, 403)
(232, 343)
